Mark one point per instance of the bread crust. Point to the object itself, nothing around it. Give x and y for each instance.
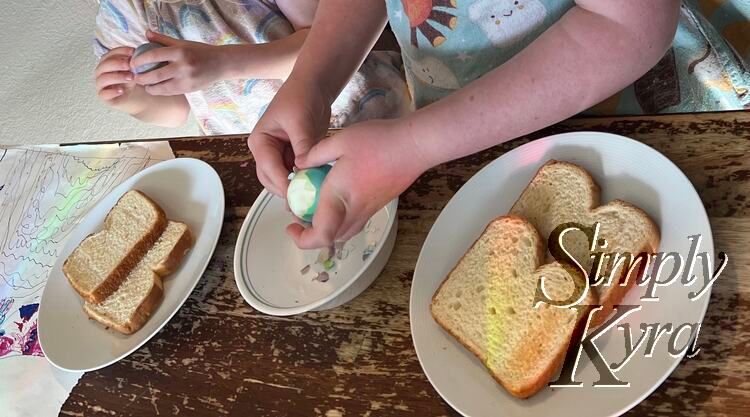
(113, 281)
(173, 260)
(544, 377)
(613, 297)
(141, 314)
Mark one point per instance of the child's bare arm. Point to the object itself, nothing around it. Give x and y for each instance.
(193, 66)
(272, 60)
(299, 13)
(595, 50)
(343, 33)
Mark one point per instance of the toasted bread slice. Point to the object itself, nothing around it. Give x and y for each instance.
(486, 303)
(97, 267)
(128, 308)
(563, 192)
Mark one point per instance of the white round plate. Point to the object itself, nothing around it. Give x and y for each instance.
(624, 169)
(277, 278)
(189, 191)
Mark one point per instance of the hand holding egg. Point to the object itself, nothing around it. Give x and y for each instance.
(375, 162)
(168, 66)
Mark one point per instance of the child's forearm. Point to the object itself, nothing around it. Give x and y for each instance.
(595, 50)
(268, 61)
(342, 34)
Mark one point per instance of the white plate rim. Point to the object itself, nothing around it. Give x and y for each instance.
(560, 137)
(121, 189)
(239, 271)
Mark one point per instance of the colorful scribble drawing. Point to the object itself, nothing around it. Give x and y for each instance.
(24, 341)
(44, 191)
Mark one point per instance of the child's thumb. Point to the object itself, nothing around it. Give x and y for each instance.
(302, 146)
(325, 151)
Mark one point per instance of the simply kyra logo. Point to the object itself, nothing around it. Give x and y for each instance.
(618, 269)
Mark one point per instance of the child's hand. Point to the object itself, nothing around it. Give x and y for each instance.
(192, 66)
(116, 87)
(375, 162)
(114, 81)
(296, 119)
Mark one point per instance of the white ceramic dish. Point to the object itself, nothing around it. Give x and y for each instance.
(277, 278)
(624, 169)
(188, 190)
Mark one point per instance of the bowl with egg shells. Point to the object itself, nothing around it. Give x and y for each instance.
(277, 278)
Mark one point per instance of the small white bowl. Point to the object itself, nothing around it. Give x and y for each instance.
(277, 278)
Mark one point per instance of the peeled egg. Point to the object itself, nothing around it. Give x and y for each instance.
(304, 191)
(147, 67)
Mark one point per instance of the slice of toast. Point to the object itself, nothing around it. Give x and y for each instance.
(128, 308)
(562, 192)
(97, 267)
(486, 303)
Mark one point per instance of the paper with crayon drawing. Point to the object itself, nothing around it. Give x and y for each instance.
(44, 192)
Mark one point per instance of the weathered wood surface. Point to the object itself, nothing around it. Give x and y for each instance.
(218, 356)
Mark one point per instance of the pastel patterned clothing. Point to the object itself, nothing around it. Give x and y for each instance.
(378, 90)
(446, 44)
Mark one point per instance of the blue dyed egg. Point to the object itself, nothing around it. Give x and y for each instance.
(147, 67)
(304, 191)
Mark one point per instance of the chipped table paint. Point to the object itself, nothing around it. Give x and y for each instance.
(218, 356)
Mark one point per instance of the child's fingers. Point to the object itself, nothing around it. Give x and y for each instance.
(265, 181)
(113, 63)
(113, 78)
(122, 50)
(288, 157)
(328, 218)
(325, 151)
(164, 88)
(269, 163)
(157, 55)
(160, 38)
(302, 146)
(351, 231)
(111, 93)
(156, 76)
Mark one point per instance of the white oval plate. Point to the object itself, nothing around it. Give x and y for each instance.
(624, 169)
(188, 190)
(277, 278)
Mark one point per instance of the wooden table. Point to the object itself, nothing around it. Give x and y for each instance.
(218, 356)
